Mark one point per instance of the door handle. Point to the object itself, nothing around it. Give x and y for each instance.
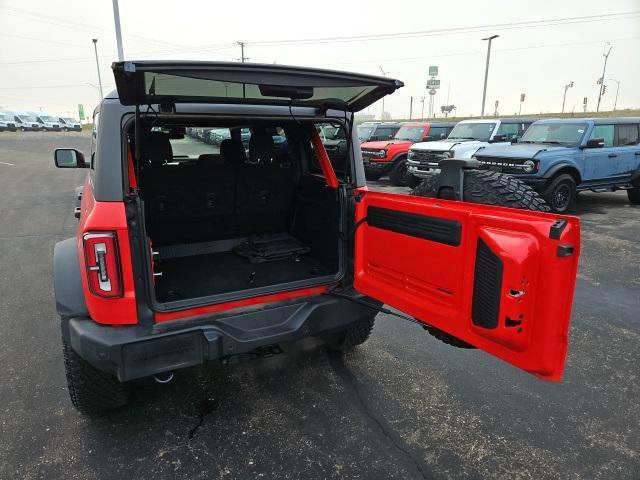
(613, 155)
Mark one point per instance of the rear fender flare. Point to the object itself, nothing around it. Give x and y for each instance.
(67, 283)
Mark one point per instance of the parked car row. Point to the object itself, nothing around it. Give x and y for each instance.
(11, 120)
(560, 158)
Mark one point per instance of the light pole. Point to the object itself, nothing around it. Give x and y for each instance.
(95, 49)
(604, 70)
(615, 103)
(486, 72)
(422, 115)
(564, 98)
(116, 21)
(384, 74)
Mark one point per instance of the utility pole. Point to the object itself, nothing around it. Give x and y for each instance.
(615, 103)
(604, 70)
(384, 74)
(566, 87)
(242, 57)
(116, 20)
(486, 72)
(95, 49)
(422, 116)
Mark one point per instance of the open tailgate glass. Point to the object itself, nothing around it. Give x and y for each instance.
(147, 82)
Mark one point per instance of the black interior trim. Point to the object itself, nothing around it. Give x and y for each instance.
(434, 229)
(487, 283)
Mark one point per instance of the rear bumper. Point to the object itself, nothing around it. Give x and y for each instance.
(131, 352)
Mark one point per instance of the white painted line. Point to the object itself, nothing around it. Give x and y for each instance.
(5, 163)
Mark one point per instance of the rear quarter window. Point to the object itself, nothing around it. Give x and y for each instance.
(626, 135)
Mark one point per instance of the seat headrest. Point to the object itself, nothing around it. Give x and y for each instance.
(233, 151)
(261, 147)
(156, 148)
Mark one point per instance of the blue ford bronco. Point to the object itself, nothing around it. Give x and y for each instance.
(559, 158)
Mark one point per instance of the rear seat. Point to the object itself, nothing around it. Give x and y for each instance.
(265, 189)
(214, 199)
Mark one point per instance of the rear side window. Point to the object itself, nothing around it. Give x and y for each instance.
(626, 135)
(604, 131)
(436, 133)
(509, 130)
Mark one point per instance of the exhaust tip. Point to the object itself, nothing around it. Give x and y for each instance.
(164, 377)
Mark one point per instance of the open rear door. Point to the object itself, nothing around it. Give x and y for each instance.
(497, 278)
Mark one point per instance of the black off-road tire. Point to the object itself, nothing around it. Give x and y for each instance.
(398, 174)
(373, 176)
(634, 195)
(560, 193)
(491, 188)
(353, 336)
(92, 391)
(413, 181)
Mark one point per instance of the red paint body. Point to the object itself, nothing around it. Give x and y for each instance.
(395, 147)
(107, 216)
(433, 282)
(430, 281)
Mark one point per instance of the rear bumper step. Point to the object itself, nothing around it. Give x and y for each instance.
(131, 352)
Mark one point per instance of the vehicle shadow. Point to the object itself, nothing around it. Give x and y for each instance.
(598, 203)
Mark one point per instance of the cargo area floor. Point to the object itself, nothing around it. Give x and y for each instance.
(223, 272)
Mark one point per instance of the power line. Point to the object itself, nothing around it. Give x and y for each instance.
(38, 17)
(449, 31)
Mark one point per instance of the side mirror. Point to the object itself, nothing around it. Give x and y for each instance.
(514, 140)
(390, 136)
(69, 158)
(595, 143)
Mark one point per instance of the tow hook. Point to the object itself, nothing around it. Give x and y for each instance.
(164, 377)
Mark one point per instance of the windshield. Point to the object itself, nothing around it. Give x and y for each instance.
(70, 120)
(27, 118)
(562, 133)
(413, 134)
(472, 131)
(365, 132)
(3, 117)
(49, 119)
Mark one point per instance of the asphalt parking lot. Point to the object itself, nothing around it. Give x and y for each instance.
(403, 405)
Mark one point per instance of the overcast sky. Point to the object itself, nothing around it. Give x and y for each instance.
(47, 59)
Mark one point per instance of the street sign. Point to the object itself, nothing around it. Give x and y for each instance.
(433, 83)
(522, 97)
(432, 92)
(81, 111)
(433, 71)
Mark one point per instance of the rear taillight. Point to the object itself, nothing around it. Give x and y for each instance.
(103, 265)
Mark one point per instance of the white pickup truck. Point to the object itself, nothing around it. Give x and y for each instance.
(466, 138)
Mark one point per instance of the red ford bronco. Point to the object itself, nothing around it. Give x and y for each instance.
(188, 252)
(389, 156)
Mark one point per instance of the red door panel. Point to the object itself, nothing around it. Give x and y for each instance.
(498, 278)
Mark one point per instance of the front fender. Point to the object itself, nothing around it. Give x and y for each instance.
(67, 285)
(558, 165)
